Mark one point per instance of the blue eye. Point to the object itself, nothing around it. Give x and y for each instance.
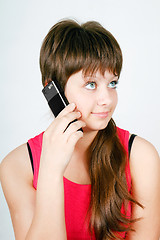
(113, 84)
(90, 85)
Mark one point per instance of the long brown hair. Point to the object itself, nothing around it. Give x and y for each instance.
(68, 48)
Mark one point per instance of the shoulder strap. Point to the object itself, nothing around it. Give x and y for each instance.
(30, 155)
(129, 149)
(34, 147)
(40, 138)
(130, 142)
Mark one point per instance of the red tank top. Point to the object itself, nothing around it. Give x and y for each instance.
(77, 196)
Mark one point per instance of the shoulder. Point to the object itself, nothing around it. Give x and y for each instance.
(15, 172)
(16, 179)
(143, 154)
(145, 174)
(144, 160)
(17, 159)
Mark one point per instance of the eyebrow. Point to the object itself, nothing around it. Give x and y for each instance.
(97, 78)
(89, 76)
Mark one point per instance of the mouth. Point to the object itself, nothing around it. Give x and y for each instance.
(101, 114)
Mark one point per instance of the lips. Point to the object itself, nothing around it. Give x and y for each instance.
(101, 114)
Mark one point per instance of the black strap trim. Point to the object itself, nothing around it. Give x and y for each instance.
(130, 143)
(129, 149)
(30, 154)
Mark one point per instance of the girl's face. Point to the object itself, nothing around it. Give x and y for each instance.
(95, 97)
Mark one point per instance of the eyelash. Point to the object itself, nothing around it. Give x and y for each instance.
(115, 82)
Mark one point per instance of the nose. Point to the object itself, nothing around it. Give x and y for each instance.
(104, 97)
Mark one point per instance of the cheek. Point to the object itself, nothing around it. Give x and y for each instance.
(115, 99)
(72, 96)
(69, 93)
(82, 103)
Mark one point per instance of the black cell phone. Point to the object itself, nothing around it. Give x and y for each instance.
(55, 97)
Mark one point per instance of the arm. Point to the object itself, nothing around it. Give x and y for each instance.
(40, 215)
(145, 172)
(16, 179)
(49, 219)
(33, 213)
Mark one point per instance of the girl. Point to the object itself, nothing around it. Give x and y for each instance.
(69, 184)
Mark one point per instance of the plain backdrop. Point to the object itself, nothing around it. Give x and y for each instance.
(24, 111)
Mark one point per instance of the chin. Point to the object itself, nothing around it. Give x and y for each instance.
(95, 127)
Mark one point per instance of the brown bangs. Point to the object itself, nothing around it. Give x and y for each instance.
(73, 47)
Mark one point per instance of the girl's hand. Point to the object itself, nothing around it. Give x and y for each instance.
(58, 142)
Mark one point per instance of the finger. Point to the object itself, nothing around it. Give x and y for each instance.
(67, 120)
(73, 127)
(59, 125)
(73, 139)
(69, 108)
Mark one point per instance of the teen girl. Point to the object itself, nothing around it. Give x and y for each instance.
(101, 183)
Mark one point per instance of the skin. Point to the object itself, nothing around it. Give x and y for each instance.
(90, 98)
(30, 209)
(93, 97)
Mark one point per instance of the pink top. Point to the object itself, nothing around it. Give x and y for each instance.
(77, 196)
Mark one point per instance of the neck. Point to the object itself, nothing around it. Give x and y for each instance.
(78, 167)
(84, 143)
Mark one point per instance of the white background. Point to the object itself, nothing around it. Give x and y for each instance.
(24, 111)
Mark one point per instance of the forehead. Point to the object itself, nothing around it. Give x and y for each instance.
(81, 77)
(98, 71)
(98, 74)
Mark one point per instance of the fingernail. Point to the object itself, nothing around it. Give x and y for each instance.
(72, 104)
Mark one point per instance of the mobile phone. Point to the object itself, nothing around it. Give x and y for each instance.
(56, 98)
